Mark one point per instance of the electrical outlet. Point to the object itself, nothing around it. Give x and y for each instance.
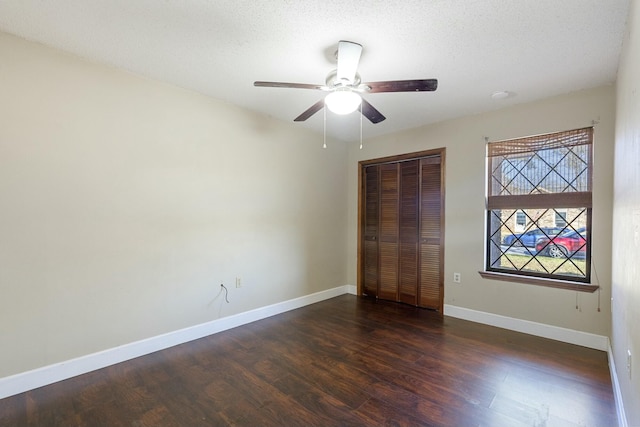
(456, 277)
(629, 362)
(238, 282)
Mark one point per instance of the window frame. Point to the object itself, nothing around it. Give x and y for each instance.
(552, 201)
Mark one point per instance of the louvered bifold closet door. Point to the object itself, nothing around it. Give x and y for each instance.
(409, 223)
(370, 244)
(388, 241)
(431, 250)
(401, 252)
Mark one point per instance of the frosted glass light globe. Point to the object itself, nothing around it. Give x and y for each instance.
(342, 101)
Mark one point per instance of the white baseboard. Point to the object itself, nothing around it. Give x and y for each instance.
(617, 393)
(46, 375)
(585, 339)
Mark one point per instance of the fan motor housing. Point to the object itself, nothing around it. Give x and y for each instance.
(333, 82)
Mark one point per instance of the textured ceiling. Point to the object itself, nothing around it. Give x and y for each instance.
(531, 48)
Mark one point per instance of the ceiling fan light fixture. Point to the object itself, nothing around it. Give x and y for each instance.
(342, 101)
(344, 86)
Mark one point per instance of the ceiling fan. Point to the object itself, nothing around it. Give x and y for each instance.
(345, 86)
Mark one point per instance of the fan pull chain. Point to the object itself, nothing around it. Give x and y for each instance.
(324, 127)
(361, 127)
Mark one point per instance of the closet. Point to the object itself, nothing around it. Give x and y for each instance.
(401, 225)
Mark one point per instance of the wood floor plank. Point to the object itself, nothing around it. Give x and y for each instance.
(381, 413)
(327, 409)
(352, 389)
(347, 361)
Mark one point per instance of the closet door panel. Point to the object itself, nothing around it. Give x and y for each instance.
(409, 222)
(388, 242)
(431, 257)
(371, 217)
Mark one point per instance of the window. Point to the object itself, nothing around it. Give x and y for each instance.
(521, 220)
(539, 207)
(561, 218)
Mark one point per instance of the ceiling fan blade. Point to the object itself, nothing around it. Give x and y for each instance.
(403, 86)
(370, 112)
(310, 111)
(290, 85)
(348, 59)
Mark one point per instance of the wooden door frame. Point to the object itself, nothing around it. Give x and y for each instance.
(394, 159)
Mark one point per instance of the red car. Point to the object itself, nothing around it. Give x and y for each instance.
(568, 244)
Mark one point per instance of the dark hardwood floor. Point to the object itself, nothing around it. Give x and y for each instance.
(347, 361)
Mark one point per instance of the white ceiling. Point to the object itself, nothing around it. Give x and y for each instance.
(531, 48)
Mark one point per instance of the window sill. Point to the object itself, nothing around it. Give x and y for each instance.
(551, 283)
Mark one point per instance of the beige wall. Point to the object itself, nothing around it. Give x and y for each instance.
(464, 216)
(125, 202)
(626, 221)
